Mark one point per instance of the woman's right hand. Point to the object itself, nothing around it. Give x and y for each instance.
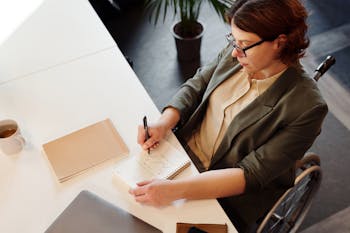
(158, 130)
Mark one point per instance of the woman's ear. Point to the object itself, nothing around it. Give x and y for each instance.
(280, 41)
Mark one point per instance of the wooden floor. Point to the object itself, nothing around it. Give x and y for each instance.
(152, 50)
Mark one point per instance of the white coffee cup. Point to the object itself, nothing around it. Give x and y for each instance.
(11, 140)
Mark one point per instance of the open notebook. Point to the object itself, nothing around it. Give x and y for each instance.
(165, 162)
(76, 152)
(88, 213)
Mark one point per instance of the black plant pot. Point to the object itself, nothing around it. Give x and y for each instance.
(188, 48)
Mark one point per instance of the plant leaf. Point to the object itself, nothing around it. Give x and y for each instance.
(188, 10)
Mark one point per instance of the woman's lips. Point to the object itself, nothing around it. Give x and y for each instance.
(242, 63)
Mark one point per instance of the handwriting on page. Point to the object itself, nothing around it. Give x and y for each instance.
(162, 163)
(157, 164)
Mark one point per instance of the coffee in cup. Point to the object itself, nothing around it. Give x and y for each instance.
(11, 140)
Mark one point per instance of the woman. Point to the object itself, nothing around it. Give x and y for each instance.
(245, 118)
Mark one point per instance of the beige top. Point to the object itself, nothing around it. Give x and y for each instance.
(226, 101)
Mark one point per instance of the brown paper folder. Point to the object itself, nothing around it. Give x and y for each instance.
(209, 228)
(74, 153)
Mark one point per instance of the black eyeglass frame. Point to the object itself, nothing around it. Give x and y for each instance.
(232, 42)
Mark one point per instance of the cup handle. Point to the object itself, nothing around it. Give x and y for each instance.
(20, 139)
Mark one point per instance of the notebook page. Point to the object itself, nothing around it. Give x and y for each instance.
(163, 163)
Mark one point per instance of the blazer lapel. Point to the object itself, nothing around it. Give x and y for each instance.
(255, 111)
(221, 76)
(227, 69)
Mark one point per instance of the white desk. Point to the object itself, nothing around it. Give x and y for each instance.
(39, 34)
(55, 102)
(60, 99)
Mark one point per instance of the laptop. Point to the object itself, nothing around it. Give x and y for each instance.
(88, 213)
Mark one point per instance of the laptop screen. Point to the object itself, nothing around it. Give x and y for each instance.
(88, 213)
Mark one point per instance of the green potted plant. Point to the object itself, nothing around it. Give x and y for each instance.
(188, 31)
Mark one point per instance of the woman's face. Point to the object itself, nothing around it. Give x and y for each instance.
(259, 58)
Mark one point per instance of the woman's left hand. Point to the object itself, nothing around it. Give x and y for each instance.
(155, 192)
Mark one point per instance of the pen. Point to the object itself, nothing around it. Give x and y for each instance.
(145, 126)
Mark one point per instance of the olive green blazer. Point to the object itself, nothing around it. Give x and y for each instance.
(265, 139)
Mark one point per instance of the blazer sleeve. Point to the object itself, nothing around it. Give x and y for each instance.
(190, 94)
(280, 152)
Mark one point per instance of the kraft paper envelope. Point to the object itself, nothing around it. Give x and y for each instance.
(208, 228)
(76, 152)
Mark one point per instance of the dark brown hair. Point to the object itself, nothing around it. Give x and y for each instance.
(271, 18)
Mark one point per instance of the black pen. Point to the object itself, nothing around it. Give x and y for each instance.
(145, 126)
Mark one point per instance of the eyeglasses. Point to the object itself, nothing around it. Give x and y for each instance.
(241, 51)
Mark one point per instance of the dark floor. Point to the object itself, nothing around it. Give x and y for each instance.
(152, 50)
(325, 16)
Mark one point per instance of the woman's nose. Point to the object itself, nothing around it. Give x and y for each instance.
(235, 53)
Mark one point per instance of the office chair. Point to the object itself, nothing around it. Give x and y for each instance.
(291, 208)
